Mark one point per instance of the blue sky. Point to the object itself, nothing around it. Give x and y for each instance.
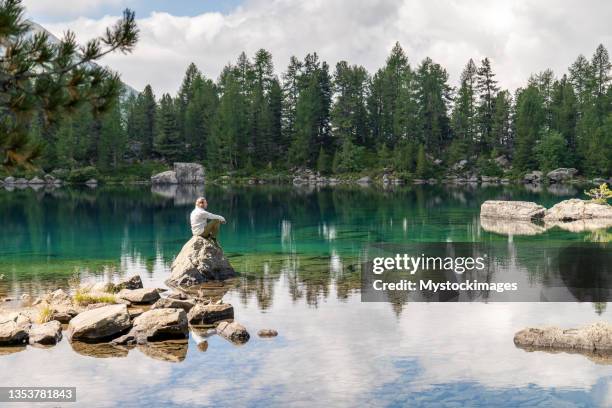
(143, 8)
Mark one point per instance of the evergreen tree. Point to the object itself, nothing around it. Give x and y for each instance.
(384, 95)
(52, 79)
(168, 139)
(464, 124)
(349, 115)
(529, 120)
(433, 97)
(487, 89)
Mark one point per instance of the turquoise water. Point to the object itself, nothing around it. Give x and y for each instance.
(295, 249)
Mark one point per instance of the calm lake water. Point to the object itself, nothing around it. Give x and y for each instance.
(295, 250)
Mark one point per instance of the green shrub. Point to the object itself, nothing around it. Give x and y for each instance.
(83, 174)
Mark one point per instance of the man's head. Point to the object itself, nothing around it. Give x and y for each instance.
(201, 203)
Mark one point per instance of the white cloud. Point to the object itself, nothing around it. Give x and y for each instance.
(520, 37)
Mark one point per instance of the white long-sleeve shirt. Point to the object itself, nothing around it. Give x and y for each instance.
(198, 219)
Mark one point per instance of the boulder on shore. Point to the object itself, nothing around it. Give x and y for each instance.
(576, 209)
(145, 295)
(171, 303)
(596, 337)
(165, 177)
(533, 177)
(234, 332)
(183, 173)
(99, 324)
(46, 334)
(512, 210)
(13, 332)
(199, 261)
(209, 314)
(562, 174)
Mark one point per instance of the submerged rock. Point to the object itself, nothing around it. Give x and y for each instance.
(512, 210)
(209, 314)
(234, 332)
(145, 295)
(576, 209)
(46, 334)
(561, 175)
(596, 337)
(199, 261)
(267, 333)
(99, 324)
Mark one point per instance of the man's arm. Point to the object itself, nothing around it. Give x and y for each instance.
(211, 216)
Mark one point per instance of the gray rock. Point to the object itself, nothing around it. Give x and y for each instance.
(234, 332)
(576, 209)
(364, 180)
(170, 303)
(562, 174)
(91, 183)
(199, 261)
(145, 295)
(21, 181)
(512, 210)
(46, 334)
(165, 177)
(502, 161)
(36, 181)
(533, 177)
(267, 333)
(189, 173)
(132, 282)
(9, 180)
(156, 324)
(12, 331)
(99, 324)
(209, 314)
(595, 337)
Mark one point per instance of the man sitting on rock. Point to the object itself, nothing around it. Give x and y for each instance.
(199, 224)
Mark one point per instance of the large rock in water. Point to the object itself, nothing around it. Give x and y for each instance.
(561, 175)
(199, 261)
(12, 331)
(594, 338)
(576, 209)
(234, 332)
(46, 334)
(512, 210)
(157, 324)
(145, 295)
(209, 314)
(99, 324)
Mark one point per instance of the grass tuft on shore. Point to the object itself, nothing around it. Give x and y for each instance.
(85, 298)
(45, 314)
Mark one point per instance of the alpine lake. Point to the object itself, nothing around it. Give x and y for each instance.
(297, 251)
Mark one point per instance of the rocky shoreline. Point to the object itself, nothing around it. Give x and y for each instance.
(109, 318)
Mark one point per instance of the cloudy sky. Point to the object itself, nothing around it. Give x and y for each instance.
(519, 36)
